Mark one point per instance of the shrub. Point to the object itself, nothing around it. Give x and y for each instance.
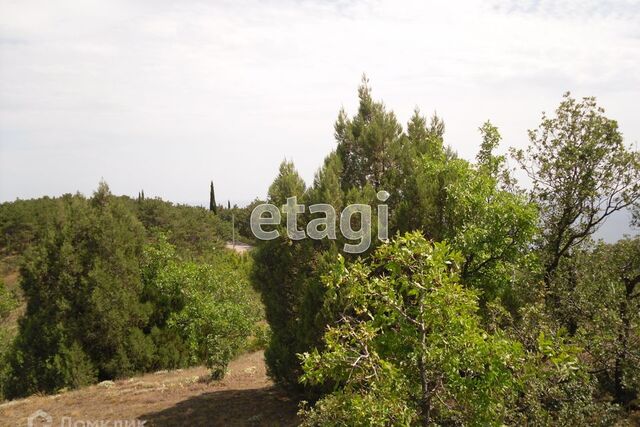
(408, 342)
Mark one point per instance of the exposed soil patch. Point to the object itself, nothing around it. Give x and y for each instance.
(245, 397)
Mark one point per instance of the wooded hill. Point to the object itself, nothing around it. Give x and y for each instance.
(490, 304)
(112, 286)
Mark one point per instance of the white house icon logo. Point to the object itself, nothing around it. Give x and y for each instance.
(40, 419)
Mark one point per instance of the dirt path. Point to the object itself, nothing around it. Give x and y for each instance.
(245, 397)
(238, 247)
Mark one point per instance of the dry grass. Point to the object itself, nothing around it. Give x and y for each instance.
(245, 397)
(9, 267)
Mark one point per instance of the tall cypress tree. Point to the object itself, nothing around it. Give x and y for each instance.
(212, 200)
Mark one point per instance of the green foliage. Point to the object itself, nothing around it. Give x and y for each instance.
(326, 185)
(218, 317)
(282, 289)
(81, 284)
(103, 304)
(492, 228)
(486, 158)
(384, 403)
(194, 231)
(287, 184)
(509, 243)
(431, 190)
(7, 304)
(558, 387)
(260, 338)
(582, 172)
(495, 308)
(204, 311)
(410, 334)
(23, 222)
(7, 301)
(364, 142)
(421, 141)
(287, 274)
(408, 347)
(602, 289)
(276, 281)
(77, 368)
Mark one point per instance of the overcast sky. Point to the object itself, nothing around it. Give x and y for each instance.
(166, 96)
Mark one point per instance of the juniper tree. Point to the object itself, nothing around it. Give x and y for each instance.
(278, 272)
(82, 285)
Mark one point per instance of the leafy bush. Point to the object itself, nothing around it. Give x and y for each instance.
(408, 347)
(218, 317)
(7, 301)
(410, 335)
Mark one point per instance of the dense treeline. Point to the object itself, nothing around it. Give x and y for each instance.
(115, 286)
(497, 307)
(193, 230)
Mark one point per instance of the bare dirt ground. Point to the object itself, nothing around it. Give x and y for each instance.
(245, 397)
(238, 247)
(9, 271)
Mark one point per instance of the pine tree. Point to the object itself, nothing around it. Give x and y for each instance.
(365, 140)
(212, 200)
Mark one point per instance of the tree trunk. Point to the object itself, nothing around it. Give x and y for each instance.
(425, 402)
(622, 394)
